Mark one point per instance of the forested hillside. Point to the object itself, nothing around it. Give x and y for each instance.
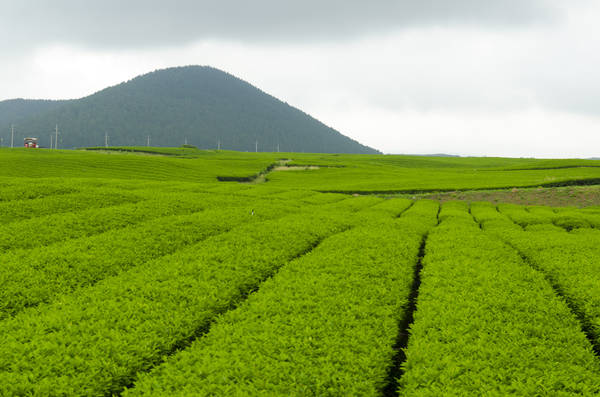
(200, 105)
(13, 111)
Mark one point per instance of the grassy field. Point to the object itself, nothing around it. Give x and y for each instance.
(181, 272)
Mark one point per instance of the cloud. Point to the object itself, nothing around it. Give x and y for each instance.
(562, 67)
(531, 132)
(467, 77)
(151, 23)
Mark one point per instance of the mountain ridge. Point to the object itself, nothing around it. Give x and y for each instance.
(200, 105)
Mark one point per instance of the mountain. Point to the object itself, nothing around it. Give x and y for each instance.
(13, 111)
(197, 104)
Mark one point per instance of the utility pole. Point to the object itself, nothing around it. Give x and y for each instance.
(256, 146)
(277, 147)
(148, 140)
(219, 144)
(185, 141)
(56, 138)
(105, 139)
(12, 136)
(51, 141)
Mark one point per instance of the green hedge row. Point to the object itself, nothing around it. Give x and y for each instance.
(455, 210)
(522, 216)
(27, 189)
(325, 325)
(488, 215)
(566, 218)
(61, 268)
(488, 324)
(56, 228)
(18, 210)
(95, 341)
(571, 262)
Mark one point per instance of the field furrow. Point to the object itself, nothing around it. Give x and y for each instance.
(325, 324)
(19, 210)
(488, 324)
(95, 341)
(187, 272)
(570, 261)
(63, 268)
(52, 229)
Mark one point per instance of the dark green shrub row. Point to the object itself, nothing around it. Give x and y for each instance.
(488, 324)
(325, 325)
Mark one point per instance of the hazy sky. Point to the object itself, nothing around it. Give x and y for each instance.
(469, 77)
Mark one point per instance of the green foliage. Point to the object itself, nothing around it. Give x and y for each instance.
(14, 111)
(18, 210)
(489, 216)
(29, 189)
(337, 173)
(325, 324)
(137, 268)
(84, 165)
(413, 174)
(570, 261)
(200, 105)
(127, 323)
(488, 324)
(523, 216)
(62, 268)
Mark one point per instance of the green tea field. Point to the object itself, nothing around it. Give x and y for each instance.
(181, 272)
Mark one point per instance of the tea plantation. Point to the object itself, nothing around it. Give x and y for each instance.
(181, 272)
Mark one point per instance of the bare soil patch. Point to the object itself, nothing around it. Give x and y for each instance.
(577, 196)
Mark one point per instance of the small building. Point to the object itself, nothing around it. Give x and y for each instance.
(31, 143)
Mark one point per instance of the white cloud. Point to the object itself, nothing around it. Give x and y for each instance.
(529, 90)
(152, 23)
(526, 133)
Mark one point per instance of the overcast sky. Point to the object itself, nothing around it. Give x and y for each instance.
(516, 78)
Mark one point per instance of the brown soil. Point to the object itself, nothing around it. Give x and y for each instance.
(577, 196)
